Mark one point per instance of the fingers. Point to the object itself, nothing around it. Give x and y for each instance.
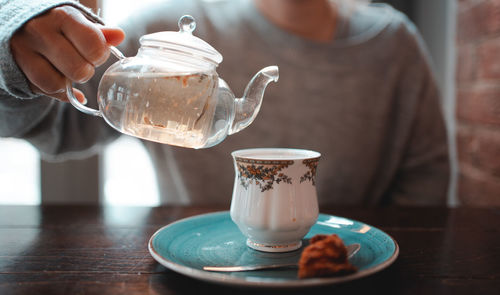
(60, 45)
(68, 61)
(62, 96)
(80, 96)
(84, 35)
(114, 36)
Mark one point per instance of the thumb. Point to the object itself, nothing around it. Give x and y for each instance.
(114, 36)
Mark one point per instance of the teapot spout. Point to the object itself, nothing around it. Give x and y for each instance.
(247, 107)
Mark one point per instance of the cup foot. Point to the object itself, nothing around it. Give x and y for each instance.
(274, 248)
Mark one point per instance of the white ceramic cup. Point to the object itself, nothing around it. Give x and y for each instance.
(274, 199)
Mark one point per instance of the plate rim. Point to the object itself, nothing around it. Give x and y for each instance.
(221, 278)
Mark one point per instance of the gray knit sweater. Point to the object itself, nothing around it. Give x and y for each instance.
(367, 101)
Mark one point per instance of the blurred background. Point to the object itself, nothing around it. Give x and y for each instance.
(463, 37)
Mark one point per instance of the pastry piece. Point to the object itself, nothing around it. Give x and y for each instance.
(325, 256)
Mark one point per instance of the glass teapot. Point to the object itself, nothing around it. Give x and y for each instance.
(170, 92)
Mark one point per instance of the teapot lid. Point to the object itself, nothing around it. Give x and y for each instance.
(183, 41)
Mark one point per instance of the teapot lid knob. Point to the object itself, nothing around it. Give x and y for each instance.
(186, 24)
(183, 41)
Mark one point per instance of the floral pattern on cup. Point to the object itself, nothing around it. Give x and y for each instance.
(264, 173)
(310, 175)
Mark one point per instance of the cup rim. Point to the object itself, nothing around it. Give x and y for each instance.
(282, 154)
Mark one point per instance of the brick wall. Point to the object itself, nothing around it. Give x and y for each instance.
(478, 101)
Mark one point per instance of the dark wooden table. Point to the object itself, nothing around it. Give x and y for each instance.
(103, 250)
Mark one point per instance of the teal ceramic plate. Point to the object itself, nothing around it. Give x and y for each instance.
(187, 245)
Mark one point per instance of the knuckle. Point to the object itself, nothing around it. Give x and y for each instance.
(33, 27)
(62, 13)
(52, 86)
(53, 18)
(81, 73)
(97, 51)
(98, 55)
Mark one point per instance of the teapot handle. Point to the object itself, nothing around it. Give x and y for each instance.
(78, 105)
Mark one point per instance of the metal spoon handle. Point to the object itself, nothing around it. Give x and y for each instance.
(248, 267)
(351, 250)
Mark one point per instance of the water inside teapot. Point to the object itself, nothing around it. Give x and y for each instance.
(166, 108)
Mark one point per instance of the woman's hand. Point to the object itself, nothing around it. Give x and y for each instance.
(59, 45)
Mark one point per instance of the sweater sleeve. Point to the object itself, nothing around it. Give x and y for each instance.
(424, 172)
